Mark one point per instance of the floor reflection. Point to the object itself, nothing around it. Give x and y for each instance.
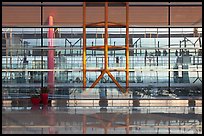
(101, 120)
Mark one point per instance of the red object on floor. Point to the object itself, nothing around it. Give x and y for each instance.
(35, 101)
(44, 98)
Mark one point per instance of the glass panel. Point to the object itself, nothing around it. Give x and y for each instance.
(186, 60)
(19, 54)
(149, 61)
(25, 61)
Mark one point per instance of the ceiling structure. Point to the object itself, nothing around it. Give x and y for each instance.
(70, 14)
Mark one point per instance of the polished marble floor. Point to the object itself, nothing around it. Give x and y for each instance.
(64, 119)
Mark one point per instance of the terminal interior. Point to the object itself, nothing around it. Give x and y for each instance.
(124, 67)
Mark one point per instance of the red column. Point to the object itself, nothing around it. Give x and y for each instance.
(51, 53)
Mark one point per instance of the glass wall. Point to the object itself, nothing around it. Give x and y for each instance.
(165, 46)
(25, 55)
(186, 61)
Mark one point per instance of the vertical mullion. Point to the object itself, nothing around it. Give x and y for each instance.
(41, 44)
(169, 47)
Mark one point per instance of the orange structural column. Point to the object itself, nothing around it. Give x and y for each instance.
(106, 37)
(84, 44)
(105, 49)
(50, 56)
(106, 69)
(127, 46)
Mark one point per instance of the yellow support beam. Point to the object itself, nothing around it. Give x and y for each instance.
(106, 37)
(115, 81)
(105, 69)
(84, 44)
(127, 46)
(97, 80)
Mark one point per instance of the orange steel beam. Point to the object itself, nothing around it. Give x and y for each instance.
(109, 48)
(127, 46)
(115, 81)
(106, 47)
(97, 80)
(105, 70)
(101, 24)
(106, 36)
(84, 44)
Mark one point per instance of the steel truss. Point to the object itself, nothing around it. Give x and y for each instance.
(106, 24)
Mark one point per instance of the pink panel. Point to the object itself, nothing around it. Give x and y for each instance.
(51, 54)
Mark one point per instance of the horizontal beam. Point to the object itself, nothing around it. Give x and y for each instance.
(112, 85)
(91, 48)
(111, 69)
(109, 48)
(80, 26)
(80, 4)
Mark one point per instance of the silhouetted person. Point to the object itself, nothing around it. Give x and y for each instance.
(78, 80)
(59, 55)
(145, 53)
(25, 60)
(156, 53)
(55, 53)
(159, 52)
(176, 53)
(187, 52)
(182, 52)
(29, 53)
(117, 60)
(56, 31)
(145, 57)
(164, 52)
(196, 34)
(200, 52)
